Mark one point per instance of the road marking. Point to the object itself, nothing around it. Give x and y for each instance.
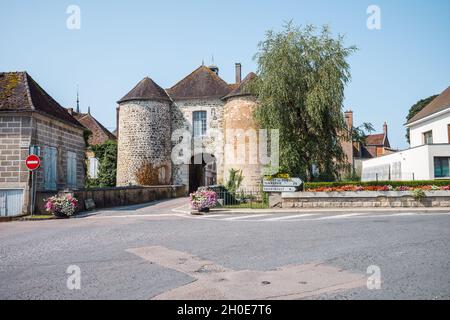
(213, 216)
(341, 216)
(246, 217)
(290, 217)
(136, 216)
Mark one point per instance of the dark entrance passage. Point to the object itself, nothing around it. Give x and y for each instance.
(202, 171)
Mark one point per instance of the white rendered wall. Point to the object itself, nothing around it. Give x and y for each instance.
(419, 160)
(437, 124)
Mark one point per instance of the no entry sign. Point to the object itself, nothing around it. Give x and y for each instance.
(32, 162)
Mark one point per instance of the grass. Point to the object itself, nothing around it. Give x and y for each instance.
(248, 205)
(39, 217)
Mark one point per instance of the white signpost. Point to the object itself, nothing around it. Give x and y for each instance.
(282, 185)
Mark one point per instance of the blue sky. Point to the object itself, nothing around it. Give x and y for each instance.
(120, 42)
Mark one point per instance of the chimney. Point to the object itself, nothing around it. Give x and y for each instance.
(238, 73)
(70, 111)
(385, 129)
(349, 119)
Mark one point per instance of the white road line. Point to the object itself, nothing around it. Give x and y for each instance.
(341, 216)
(290, 217)
(246, 217)
(213, 216)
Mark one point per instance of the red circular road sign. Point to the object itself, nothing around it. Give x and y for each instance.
(32, 162)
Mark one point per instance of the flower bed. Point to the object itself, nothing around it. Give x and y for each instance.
(355, 188)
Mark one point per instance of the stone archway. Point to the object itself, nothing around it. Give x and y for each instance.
(202, 171)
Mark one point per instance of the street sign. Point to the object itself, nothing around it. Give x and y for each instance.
(32, 162)
(292, 182)
(280, 189)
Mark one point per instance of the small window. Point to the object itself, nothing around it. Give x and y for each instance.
(199, 123)
(428, 137)
(93, 168)
(441, 167)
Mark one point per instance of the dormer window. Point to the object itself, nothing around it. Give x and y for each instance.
(428, 137)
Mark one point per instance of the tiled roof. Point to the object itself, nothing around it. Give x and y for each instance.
(375, 139)
(146, 89)
(201, 83)
(99, 133)
(440, 103)
(19, 92)
(240, 89)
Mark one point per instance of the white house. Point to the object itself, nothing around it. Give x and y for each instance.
(429, 153)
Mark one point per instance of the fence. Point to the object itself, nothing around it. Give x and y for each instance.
(242, 198)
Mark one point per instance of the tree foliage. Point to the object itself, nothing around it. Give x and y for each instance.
(302, 74)
(415, 109)
(106, 153)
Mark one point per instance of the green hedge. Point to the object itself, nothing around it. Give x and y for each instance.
(418, 183)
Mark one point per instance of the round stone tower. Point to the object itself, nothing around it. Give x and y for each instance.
(144, 135)
(241, 136)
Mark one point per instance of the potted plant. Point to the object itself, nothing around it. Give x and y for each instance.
(203, 199)
(61, 206)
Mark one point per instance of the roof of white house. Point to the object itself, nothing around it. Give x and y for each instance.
(440, 103)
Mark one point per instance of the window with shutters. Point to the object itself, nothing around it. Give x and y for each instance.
(71, 169)
(49, 162)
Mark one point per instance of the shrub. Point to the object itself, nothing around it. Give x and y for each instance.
(149, 175)
(61, 205)
(394, 184)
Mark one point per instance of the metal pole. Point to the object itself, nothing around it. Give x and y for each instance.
(32, 193)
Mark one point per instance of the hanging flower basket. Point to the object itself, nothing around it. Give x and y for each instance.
(202, 200)
(61, 206)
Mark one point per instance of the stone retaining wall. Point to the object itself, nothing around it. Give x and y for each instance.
(113, 197)
(361, 199)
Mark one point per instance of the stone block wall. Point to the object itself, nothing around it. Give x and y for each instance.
(182, 112)
(363, 199)
(244, 143)
(47, 132)
(15, 130)
(145, 131)
(113, 197)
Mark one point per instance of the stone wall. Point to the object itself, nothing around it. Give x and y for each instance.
(47, 132)
(182, 112)
(20, 130)
(14, 129)
(362, 199)
(145, 131)
(241, 143)
(119, 196)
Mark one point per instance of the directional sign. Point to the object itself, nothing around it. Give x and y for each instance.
(292, 182)
(280, 189)
(32, 162)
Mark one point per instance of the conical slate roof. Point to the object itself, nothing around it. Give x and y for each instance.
(146, 89)
(240, 90)
(201, 83)
(19, 92)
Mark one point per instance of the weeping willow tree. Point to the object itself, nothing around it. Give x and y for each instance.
(302, 74)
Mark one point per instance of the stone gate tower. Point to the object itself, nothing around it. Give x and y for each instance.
(144, 132)
(241, 134)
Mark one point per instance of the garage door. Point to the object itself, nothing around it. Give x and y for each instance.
(11, 202)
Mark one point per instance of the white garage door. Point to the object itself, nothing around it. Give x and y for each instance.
(11, 202)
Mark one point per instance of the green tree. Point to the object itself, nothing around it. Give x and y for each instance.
(106, 153)
(415, 109)
(302, 74)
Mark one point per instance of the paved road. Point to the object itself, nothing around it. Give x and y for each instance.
(152, 251)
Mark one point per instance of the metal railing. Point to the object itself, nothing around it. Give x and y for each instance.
(252, 198)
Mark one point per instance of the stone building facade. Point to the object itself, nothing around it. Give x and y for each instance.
(196, 107)
(30, 117)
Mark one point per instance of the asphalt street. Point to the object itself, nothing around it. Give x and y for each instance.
(160, 251)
